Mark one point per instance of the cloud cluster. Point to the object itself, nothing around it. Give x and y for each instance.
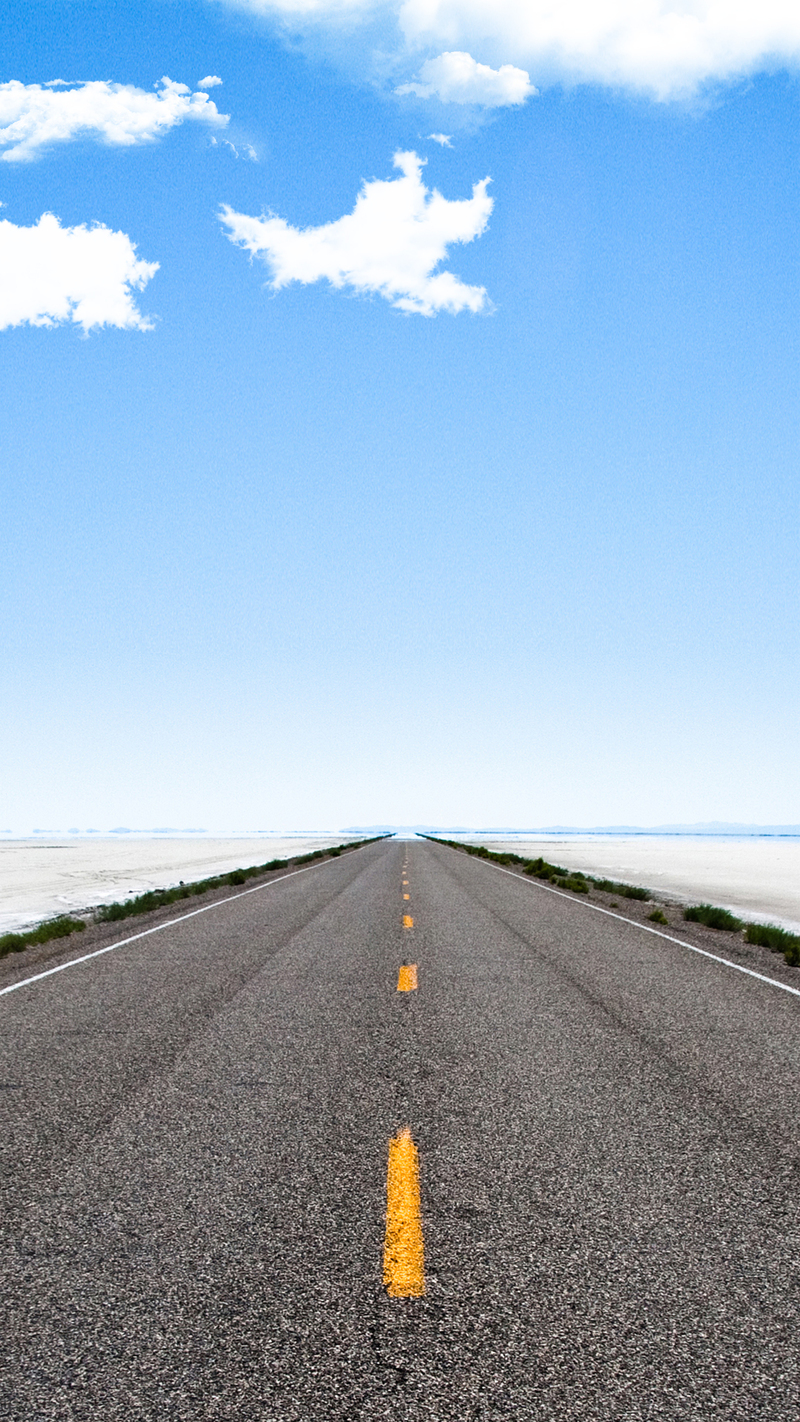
(34, 116)
(664, 48)
(247, 149)
(456, 78)
(50, 274)
(389, 245)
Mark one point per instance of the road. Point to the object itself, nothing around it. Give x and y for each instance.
(195, 1141)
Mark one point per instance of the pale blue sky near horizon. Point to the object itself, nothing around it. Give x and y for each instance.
(297, 558)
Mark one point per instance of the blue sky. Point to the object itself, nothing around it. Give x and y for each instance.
(280, 553)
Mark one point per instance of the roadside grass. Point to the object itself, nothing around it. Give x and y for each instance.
(767, 935)
(554, 874)
(713, 917)
(60, 927)
(780, 940)
(625, 891)
(159, 898)
(572, 879)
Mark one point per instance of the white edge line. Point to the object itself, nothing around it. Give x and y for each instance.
(536, 884)
(98, 952)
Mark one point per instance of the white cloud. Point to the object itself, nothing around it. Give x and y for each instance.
(443, 139)
(664, 48)
(210, 81)
(50, 273)
(390, 244)
(34, 116)
(457, 78)
(249, 150)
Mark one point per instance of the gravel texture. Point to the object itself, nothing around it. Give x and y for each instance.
(194, 1158)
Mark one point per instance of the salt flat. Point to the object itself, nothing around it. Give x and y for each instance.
(43, 877)
(757, 878)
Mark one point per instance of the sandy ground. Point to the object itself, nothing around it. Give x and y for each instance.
(755, 878)
(43, 877)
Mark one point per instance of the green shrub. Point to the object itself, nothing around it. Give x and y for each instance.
(237, 877)
(712, 917)
(769, 935)
(780, 940)
(571, 879)
(111, 913)
(657, 917)
(12, 943)
(625, 891)
(578, 886)
(60, 927)
(540, 869)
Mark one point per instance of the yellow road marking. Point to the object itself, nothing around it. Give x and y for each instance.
(408, 921)
(403, 1248)
(406, 896)
(407, 978)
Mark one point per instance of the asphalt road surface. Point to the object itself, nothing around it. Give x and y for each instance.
(195, 1142)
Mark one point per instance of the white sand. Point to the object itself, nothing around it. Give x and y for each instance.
(43, 877)
(758, 879)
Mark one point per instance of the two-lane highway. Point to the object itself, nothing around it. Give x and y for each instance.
(328, 1152)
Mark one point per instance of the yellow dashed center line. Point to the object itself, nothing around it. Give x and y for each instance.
(407, 978)
(406, 896)
(408, 921)
(403, 1249)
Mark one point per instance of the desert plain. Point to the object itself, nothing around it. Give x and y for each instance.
(756, 877)
(42, 877)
